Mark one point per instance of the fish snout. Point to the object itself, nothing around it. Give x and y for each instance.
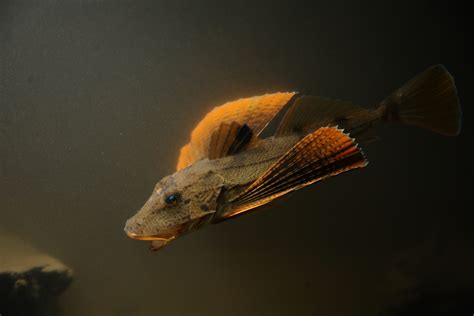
(134, 228)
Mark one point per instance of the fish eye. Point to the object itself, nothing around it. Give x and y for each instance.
(172, 198)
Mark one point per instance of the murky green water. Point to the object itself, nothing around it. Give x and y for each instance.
(97, 97)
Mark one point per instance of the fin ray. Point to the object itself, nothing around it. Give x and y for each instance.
(229, 139)
(324, 153)
(256, 112)
(429, 100)
(309, 113)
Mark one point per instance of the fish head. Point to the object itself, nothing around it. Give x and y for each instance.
(178, 204)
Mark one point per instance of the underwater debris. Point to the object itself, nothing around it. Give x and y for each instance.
(30, 281)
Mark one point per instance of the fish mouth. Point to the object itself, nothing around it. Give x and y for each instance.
(150, 237)
(157, 241)
(164, 237)
(157, 244)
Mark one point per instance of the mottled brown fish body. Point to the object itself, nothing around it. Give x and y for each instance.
(228, 168)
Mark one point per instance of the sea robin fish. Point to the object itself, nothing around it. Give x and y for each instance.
(228, 168)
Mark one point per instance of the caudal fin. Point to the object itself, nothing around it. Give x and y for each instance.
(429, 101)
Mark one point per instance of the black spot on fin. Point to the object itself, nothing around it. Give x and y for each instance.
(229, 139)
(244, 135)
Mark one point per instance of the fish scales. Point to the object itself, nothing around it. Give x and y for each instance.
(229, 168)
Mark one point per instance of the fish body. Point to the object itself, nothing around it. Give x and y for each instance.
(228, 168)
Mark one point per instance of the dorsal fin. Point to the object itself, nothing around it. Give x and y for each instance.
(229, 139)
(255, 112)
(324, 153)
(309, 113)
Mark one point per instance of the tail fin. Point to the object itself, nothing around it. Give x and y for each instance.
(429, 100)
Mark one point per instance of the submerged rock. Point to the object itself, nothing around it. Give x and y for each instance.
(30, 281)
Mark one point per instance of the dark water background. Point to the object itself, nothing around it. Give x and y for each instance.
(96, 98)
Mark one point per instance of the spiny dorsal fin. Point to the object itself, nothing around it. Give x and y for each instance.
(256, 112)
(324, 153)
(229, 139)
(309, 113)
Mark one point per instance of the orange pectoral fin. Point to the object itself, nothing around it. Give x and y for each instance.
(324, 153)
